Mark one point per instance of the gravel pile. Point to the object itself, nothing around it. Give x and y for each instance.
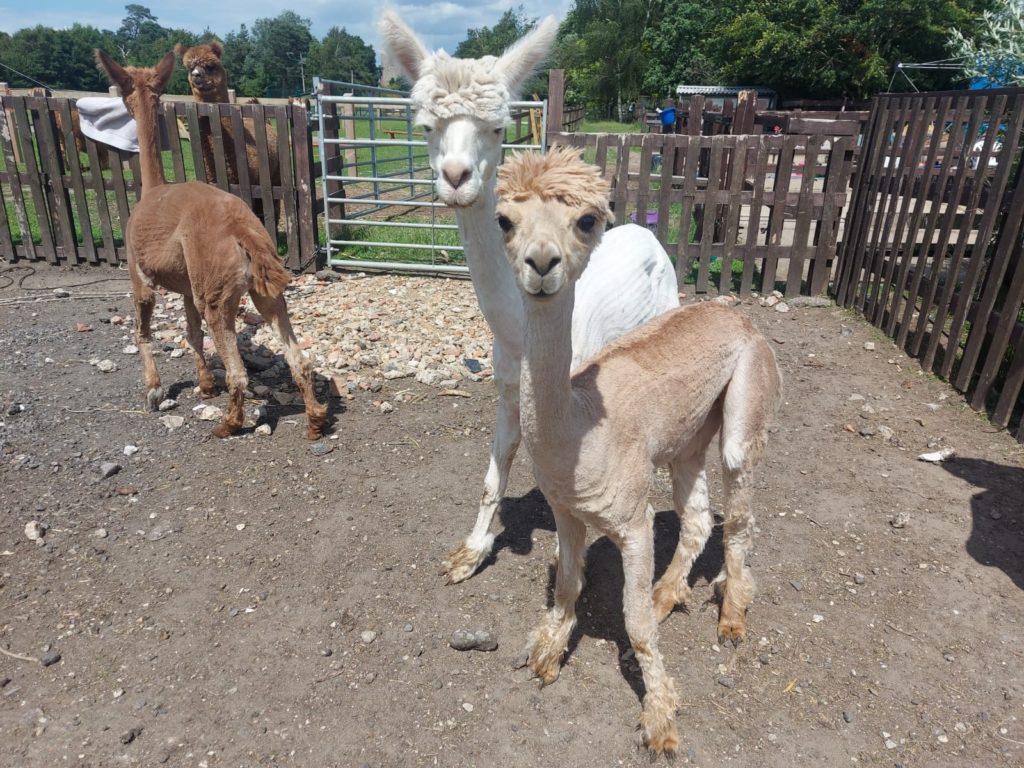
(361, 330)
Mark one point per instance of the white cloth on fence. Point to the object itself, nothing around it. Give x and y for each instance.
(106, 120)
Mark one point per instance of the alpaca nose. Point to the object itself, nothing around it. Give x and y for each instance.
(456, 173)
(543, 264)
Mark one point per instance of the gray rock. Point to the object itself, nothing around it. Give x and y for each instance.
(462, 640)
(726, 681)
(49, 659)
(485, 640)
(109, 469)
(849, 715)
(172, 421)
(810, 301)
(34, 530)
(368, 636)
(321, 447)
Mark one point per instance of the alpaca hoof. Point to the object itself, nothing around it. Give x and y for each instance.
(546, 668)
(154, 397)
(659, 731)
(224, 430)
(666, 600)
(315, 427)
(731, 632)
(461, 563)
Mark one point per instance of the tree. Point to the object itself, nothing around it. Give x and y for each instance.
(244, 73)
(801, 48)
(341, 56)
(995, 53)
(492, 41)
(277, 46)
(137, 28)
(602, 45)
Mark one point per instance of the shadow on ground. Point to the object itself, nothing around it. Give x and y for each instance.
(997, 513)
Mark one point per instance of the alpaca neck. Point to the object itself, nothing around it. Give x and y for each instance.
(495, 286)
(546, 389)
(149, 150)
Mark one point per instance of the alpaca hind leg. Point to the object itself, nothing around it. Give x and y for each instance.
(658, 719)
(462, 562)
(275, 310)
(690, 496)
(194, 324)
(548, 641)
(734, 584)
(747, 408)
(145, 301)
(221, 322)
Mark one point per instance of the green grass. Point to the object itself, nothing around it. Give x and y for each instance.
(608, 126)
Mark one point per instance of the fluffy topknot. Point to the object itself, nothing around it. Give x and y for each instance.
(559, 175)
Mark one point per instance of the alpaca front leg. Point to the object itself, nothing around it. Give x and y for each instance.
(548, 641)
(145, 300)
(463, 561)
(690, 496)
(275, 310)
(735, 584)
(194, 325)
(658, 719)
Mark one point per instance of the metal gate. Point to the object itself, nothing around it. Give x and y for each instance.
(380, 208)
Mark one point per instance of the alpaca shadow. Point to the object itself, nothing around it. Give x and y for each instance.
(261, 374)
(520, 517)
(997, 529)
(599, 609)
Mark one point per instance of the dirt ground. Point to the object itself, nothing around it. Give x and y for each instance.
(264, 601)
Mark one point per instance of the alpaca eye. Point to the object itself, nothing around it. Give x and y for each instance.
(586, 223)
(499, 131)
(505, 223)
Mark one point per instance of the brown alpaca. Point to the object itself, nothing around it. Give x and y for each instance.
(209, 84)
(201, 242)
(654, 397)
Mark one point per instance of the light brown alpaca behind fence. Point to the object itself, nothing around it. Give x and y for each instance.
(201, 242)
(209, 82)
(655, 397)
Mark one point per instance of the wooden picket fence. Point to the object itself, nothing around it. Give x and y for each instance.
(762, 211)
(933, 250)
(66, 211)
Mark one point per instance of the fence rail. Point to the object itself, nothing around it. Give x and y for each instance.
(65, 198)
(763, 211)
(934, 255)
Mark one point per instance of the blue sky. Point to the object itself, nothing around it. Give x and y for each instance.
(441, 24)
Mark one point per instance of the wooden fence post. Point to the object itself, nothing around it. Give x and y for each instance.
(556, 101)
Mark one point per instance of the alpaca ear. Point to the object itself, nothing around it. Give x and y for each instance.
(179, 50)
(115, 73)
(217, 48)
(522, 58)
(403, 44)
(164, 70)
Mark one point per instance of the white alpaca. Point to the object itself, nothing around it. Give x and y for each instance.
(653, 398)
(463, 107)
